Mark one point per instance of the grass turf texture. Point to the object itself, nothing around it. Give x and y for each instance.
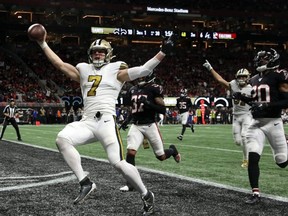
(208, 154)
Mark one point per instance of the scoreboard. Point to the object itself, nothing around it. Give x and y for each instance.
(166, 33)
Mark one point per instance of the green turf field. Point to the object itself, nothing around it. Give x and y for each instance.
(208, 154)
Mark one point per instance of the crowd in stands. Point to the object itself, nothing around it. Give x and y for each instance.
(183, 69)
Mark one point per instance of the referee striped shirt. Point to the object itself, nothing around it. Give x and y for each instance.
(10, 110)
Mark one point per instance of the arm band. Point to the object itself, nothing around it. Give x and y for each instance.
(42, 44)
(144, 70)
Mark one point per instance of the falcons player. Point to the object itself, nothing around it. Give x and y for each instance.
(146, 103)
(242, 117)
(184, 104)
(101, 81)
(268, 98)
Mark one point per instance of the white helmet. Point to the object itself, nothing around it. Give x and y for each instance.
(243, 72)
(100, 44)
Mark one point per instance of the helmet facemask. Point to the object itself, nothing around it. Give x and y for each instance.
(266, 60)
(147, 79)
(100, 45)
(183, 93)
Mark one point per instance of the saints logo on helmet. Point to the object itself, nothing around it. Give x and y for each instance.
(266, 60)
(100, 44)
(242, 76)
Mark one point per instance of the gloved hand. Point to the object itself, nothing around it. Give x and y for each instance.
(144, 100)
(169, 43)
(237, 95)
(124, 125)
(258, 107)
(207, 65)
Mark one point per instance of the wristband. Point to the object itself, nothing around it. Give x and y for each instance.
(43, 44)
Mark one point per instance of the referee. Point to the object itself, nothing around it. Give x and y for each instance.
(9, 117)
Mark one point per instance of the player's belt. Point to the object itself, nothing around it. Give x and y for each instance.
(142, 122)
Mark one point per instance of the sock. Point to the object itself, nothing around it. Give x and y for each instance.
(253, 169)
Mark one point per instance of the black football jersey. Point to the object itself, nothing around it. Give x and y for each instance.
(140, 114)
(266, 89)
(183, 104)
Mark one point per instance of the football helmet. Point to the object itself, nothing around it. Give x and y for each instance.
(183, 93)
(243, 72)
(266, 60)
(147, 79)
(100, 44)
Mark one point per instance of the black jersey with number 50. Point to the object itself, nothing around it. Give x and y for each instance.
(141, 115)
(266, 89)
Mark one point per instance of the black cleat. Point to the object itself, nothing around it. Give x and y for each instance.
(180, 137)
(177, 156)
(253, 199)
(84, 192)
(192, 129)
(148, 201)
(19, 139)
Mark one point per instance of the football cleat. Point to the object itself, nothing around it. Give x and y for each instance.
(148, 201)
(180, 137)
(244, 164)
(84, 192)
(177, 156)
(253, 199)
(126, 188)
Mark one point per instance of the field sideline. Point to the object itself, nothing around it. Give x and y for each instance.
(208, 155)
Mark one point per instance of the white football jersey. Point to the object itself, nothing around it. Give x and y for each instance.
(239, 107)
(100, 87)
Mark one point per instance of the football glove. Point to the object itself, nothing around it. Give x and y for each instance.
(144, 100)
(207, 65)
(237, 95)
(169, 43)
(124, 126)
(258, 107)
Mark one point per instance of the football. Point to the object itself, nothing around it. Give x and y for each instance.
(36, 32)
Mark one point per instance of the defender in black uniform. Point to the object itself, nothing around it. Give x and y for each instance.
(146, 102)
(268, 98)
(9, 117)
(184, 104)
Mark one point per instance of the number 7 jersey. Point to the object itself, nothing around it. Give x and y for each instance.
(100, 87)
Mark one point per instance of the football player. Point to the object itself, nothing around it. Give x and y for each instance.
(147, 102)
(184, 104)
(268, 98)
(10, 111)
(242, 117)
(101, 81)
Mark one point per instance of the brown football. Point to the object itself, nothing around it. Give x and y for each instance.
(36, 32)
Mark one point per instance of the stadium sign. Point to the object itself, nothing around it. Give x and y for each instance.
(167, 10)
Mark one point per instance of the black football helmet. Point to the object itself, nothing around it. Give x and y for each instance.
(147, 79)
(183, 93)
(266, 60)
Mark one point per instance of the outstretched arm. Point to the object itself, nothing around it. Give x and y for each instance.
(66, 68)
(216, 76)
(146, 69)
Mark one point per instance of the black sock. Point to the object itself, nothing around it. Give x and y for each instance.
(130, 159)
(253, 169)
